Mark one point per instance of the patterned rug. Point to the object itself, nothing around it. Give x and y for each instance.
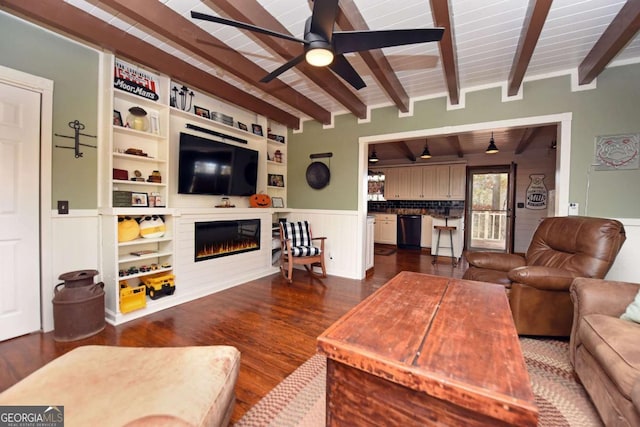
(299, 400)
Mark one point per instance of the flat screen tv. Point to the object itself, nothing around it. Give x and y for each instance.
(211, 167)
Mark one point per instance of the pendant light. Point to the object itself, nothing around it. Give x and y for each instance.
(373, 158)
(425, 153)
(492, 149)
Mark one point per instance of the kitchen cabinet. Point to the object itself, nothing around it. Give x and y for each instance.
(424, 183)
(385, 229)
(426, 231)
(398, 183)
(450, 182)
(437, 182)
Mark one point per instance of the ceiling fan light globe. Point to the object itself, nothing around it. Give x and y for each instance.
(319, 57)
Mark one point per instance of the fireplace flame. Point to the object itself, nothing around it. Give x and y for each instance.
(226, 248)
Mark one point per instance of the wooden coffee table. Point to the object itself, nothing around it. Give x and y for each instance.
(426, 350)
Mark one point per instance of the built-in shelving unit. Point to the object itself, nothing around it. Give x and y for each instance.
(138, 169)
(277, 166)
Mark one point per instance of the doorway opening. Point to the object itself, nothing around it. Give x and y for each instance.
(490, 208)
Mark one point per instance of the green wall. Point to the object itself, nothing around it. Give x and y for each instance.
(74, 71)
(612, 108)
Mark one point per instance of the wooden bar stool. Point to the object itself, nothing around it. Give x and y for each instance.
(450, 229)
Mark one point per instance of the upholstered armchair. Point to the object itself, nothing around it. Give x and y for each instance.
(298, 247)
(605, 349)
(537, 284)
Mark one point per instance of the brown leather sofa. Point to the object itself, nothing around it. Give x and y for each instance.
(562, 248)
(605, 350)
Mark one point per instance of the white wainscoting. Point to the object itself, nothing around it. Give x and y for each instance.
(343, 247)
(75, 243)
(625, 267)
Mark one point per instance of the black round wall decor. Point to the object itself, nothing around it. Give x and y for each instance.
(318, 175)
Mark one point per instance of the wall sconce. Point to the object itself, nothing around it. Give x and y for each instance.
(492, 148)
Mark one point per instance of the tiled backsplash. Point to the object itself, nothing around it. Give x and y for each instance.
(431, 205)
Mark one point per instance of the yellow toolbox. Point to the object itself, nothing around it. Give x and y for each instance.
(132, 298)
(159, 284)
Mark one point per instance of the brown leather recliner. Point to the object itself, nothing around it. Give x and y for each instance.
(605, 350)
(562, 248)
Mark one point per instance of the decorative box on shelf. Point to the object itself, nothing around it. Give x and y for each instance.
(121, 174)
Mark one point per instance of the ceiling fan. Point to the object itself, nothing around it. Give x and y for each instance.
(325, 47)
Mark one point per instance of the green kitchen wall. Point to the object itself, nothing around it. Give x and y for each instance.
(612, 108)
(73, 69)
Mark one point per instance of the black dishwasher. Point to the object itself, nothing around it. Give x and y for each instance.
(409, 231)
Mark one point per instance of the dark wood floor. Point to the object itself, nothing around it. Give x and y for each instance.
(272, 323)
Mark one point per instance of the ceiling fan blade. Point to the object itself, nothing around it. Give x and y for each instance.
(343, 68)
(323, 17)
(245, 26)
(275, 73)
(356, 41)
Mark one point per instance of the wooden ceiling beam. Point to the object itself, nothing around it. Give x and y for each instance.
(454, 142)
(349, 18)
(164, 21)
(70, 20)
(407, 151)
(622, 29)
(250, 11)
(442, 18)
(533, 22)
(527, 138)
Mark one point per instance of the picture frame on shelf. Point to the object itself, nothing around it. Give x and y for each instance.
(276, 180)
(257, 129)
(202, 112)
(117, 118)
(139, 200)
(277, 138)
(277, 202)
(242, 126)
(154, 123)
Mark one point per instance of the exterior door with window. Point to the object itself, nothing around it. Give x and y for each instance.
(490, 208)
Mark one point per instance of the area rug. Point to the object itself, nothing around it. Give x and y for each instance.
(299, 400)
(384, 251)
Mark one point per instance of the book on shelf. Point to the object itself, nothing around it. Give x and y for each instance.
(145, 252)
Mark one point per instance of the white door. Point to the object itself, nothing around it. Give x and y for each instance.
(19, 211)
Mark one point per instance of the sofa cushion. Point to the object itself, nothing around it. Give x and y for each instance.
(613, 343)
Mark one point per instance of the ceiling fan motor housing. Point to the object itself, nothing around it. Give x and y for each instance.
(318, 50)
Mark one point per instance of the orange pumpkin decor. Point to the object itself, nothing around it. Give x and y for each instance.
(260, 201)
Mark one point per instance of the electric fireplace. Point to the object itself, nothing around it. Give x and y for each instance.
(216, 239)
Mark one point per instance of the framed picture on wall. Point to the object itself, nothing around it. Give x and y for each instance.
(257, 129)
(276, 180)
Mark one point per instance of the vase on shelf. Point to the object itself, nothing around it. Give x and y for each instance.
(137, 119)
